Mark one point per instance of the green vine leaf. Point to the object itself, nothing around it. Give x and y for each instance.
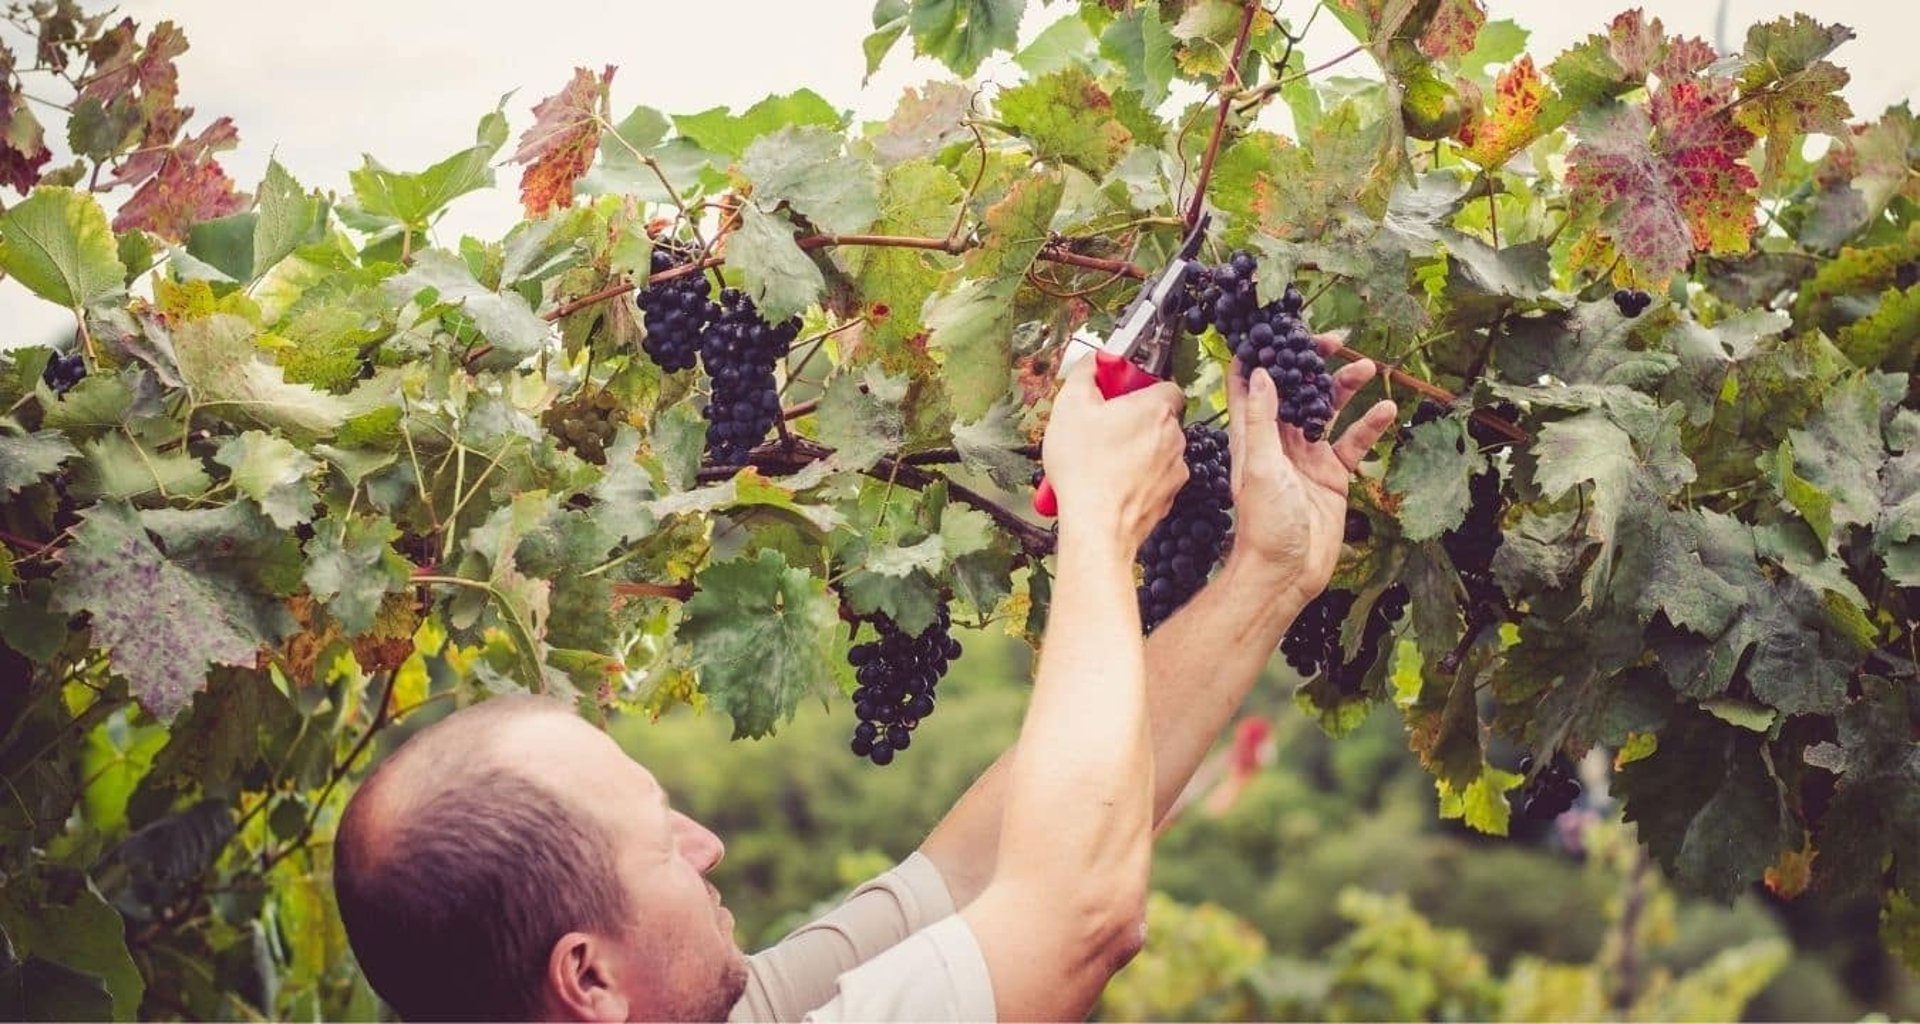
(1068, 117)
(962, 33)
(761, 633)
(352, 567)
(807, 169)
(503, 317)
(1787, 90)
(411, 201)
(56, 243)
(162, 622)
(1719, 822)
(25, 458)
(1430, 472)
(274, 473)
(721, 131)
(221, 365)
(779, 278)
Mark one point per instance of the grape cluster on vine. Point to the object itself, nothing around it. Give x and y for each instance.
(739, 348)
(1186, 544)
(740, 351)
(64, 371)
(1550, 793)
(1312, 643)
(676, 312)
(586, 423)
(897, 675)
(1271, 337)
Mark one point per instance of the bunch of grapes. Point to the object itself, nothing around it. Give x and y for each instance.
(676, 312)
(740, 351)
(64, 371)
(1186, 545)
(1272, 337)
(898, 674)
(1552, 792)
(1631, 302)
(586, 423)
(1312, 643)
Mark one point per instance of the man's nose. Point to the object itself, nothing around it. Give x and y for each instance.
(700, 846)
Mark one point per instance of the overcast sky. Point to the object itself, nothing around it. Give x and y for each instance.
(319, 84)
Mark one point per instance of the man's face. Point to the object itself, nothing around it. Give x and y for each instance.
(680, 960)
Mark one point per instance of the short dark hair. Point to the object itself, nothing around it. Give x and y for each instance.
(454, 917)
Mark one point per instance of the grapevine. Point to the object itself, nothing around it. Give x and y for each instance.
(302, 460)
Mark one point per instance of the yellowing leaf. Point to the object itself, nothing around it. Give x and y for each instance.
(1518, 95)
(1068, 117)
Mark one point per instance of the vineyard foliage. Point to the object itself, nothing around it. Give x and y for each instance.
(325, 466)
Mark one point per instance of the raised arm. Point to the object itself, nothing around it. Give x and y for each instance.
(1076, 820)
(1292, 497)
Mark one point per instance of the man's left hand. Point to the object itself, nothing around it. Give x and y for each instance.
(1290, 494)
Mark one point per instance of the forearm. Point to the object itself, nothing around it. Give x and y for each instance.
(1200, 664)
(1079, 781)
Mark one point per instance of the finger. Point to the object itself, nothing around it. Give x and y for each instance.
(1262, 416)
(1365, 433)
(1079, 378)
(1236, 413)
(1167, 394)
(1331, 343)
(1349, 379)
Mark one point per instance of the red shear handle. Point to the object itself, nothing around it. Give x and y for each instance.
(1115, 376)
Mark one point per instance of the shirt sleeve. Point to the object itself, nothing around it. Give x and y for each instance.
(937, 974)
(803, 971)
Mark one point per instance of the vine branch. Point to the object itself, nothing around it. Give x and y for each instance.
(1229, 86)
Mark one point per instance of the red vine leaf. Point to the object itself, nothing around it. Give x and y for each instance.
(1454, 29)
(188, 187)
(1635, 44)
(122, 65)
(1684, 59)
(559, 147)
(1673, 174)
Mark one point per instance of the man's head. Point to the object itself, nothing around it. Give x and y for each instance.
(511, 862)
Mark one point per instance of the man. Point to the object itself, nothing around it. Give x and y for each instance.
(512, 862)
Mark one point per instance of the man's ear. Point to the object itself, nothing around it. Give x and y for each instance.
(580, 980)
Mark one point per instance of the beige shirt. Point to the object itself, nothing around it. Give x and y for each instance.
(894, 950)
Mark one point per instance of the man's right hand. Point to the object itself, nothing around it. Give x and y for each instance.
(1115, 463)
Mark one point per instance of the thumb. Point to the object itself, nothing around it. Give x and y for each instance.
(1078, 384)
(1263, 416)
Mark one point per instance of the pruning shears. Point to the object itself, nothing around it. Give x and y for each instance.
(1139, 352)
